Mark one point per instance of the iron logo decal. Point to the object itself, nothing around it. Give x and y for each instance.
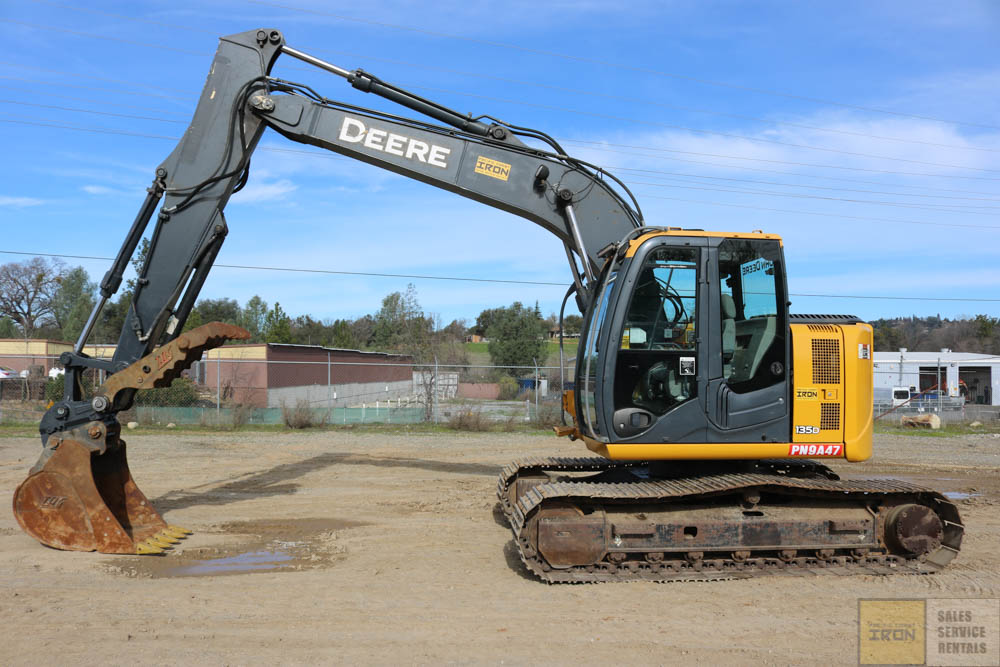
(492, 168)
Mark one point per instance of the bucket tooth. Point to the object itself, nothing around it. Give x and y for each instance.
(164, 536)
(178, 531)
(156, 542)
(143, 549)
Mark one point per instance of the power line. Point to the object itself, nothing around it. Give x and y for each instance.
(728, 135)
(90, 111)
(802, 185)
(88, 10)
(593, 61)
(628, 169)
(482, 280)
(96, 78)
(646, 102)
(825, 215)
(95, 130)
(536, 84)
(77, 98)
(649, 196)
(560, 109)
(602, 147)
(93, 88)
(738, 191)
(793, 195)
(321, 271)
(622, 152)
(599, 146)
(131, 42)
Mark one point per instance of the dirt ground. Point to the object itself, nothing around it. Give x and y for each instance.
(346, 547)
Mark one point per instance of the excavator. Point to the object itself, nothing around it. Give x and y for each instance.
(707, 405)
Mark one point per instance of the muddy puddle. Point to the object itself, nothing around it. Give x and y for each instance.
(267, 545)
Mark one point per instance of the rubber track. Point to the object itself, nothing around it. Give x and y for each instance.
(695, 489)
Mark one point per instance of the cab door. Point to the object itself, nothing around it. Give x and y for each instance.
(655, 371)
(747, 394)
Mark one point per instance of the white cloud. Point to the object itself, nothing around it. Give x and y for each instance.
(256, 192)
(97, 190)
(19, 202)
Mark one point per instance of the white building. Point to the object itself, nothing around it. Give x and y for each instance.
(973, 376)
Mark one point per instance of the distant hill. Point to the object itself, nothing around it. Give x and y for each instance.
(980, 334)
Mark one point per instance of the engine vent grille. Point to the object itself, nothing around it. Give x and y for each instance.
(826, 361)
(829, 416)
(829, 328)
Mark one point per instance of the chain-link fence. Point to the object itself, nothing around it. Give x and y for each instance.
(933, 389)
(231, 388)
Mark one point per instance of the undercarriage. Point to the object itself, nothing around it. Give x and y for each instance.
(579, 520)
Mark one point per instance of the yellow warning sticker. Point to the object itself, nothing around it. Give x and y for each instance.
(492, 168)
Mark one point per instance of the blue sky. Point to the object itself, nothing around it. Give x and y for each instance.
(866, 134)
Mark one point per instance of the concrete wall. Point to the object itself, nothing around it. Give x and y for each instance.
(347, 395)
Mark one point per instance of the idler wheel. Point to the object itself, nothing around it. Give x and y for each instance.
(913, 529)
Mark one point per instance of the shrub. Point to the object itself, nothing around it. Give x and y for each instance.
(241, 414)
(54, 386)
(469, 420)
(508, 388)
(301, 416)
(549, 415)
(182, 392)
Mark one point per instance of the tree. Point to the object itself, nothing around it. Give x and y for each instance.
(138, 261)
(277, 326)
(194, 320)
(454, 332)
(363, 330)
(401, 326)
(342, 335)
(986, 326)
(253, 316)
(219, 310)
(516, 338)
(572, 324)
(484, 320)
(73, 302)
(307, 331)
(7, 328)
(26, 292)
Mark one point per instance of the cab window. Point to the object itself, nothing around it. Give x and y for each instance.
(656, 358)
(752, 330)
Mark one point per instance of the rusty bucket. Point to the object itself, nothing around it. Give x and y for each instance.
(79, 499)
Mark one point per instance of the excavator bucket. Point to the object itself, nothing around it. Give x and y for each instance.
(81, 500)
(80, 495)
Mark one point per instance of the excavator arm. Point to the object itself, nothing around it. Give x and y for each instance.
(65, 505)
